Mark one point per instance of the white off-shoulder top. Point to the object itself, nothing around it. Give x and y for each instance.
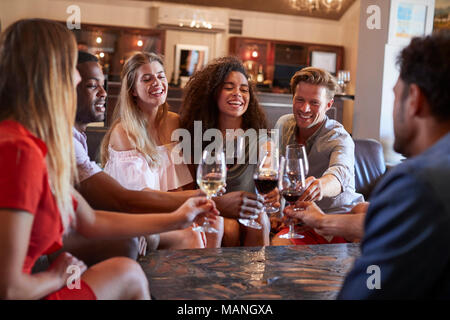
(132, 171)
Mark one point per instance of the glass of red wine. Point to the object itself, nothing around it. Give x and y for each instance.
(298, 151)
(266, 176)
(291, 184)
(271, 146)
(266, 179)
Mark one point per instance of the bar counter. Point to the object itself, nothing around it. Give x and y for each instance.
(250, 273)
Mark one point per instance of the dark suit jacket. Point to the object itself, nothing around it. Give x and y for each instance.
(407, 232)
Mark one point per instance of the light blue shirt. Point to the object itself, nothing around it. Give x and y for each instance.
(330, 150)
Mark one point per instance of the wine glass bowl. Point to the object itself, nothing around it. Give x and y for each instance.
(343, 78)
(298, 151)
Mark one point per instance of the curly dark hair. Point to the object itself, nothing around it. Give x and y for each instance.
(201, 93)
(426, 63)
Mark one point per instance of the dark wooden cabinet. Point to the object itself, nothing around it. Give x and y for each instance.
(279, 60)
(113, 45)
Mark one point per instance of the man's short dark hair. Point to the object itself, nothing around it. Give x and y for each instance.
(86, 57)
(426, 63)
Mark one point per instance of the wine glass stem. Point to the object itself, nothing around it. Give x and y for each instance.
(206, 223)
(291, 228)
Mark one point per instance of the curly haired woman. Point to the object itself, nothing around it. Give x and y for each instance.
(221, 97)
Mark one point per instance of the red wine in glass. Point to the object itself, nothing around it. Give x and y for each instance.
(265, 184)
(291, 196)
(292, 186)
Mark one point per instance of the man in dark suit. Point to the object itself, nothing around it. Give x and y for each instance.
(406, 234)
(405, 248)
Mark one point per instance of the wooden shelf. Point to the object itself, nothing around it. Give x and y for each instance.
(117, 44)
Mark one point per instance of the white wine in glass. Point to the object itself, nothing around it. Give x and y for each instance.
(211, 183)
(211, 177)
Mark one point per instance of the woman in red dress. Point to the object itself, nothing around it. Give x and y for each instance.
(37, 201)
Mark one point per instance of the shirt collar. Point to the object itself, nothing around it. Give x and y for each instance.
(313, 137)
(78, 134)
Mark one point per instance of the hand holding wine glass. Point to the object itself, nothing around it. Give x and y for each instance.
(211, 177)
(195, 209)
(266, 180)
(268, 169)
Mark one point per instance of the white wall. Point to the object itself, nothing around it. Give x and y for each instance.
(120, 13)
(349, 40)
(369, 75)
(377, 73)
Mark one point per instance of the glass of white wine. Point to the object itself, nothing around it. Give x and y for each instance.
(211, 177)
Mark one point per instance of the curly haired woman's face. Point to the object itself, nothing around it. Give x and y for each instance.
(150, 86)
(234, 96)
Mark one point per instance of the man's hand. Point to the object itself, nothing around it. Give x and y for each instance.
(311, 215)
(239, 204)
(360, 208)
(196, 210)
(314, 191)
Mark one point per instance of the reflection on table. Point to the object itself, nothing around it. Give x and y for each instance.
(285, 272)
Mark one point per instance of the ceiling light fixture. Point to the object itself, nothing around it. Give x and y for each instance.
(197, 21)
(316, 5)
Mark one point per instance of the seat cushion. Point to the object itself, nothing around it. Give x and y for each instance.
(369, 165)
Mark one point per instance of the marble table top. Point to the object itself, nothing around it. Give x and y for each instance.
(247, 273)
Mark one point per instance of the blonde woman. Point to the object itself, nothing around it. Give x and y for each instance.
(136, 151)
(37, 201)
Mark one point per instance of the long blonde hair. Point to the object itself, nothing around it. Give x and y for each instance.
(37, 61)
(130, 116)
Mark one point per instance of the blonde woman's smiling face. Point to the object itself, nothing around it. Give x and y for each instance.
(151, 85)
